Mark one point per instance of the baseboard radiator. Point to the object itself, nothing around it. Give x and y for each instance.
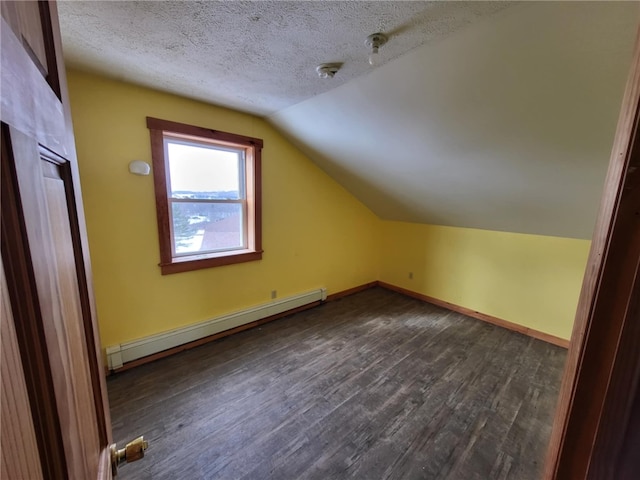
(118, 355)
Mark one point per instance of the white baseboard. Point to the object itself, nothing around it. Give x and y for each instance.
(118, 355)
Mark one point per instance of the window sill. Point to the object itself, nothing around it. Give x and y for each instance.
(197, 262)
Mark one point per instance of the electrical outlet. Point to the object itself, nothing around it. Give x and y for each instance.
(274, 294)
(410, 275)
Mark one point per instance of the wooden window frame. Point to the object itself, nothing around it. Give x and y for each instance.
(253, 162)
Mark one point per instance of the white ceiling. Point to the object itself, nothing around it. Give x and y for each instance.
(482, 116)
(256, 56)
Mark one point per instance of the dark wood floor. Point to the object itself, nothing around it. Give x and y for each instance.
(373, 386)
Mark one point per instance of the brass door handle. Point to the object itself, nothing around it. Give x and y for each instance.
(132, 451)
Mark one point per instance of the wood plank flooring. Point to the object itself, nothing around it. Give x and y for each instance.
(372, 386)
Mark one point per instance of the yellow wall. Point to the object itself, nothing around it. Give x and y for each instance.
(315, 234)
(530, 280)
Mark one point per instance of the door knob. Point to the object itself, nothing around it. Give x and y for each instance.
(132, 451)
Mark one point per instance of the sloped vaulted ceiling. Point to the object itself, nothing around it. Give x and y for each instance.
(506, 125)
(488, 115)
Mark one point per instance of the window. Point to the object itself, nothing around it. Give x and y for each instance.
(207, 186)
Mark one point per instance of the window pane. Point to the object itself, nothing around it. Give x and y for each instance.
(200, 171)
(207, 227)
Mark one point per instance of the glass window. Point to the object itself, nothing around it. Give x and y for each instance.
(207, 196)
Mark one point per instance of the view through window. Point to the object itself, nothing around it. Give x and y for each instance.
(207, 196)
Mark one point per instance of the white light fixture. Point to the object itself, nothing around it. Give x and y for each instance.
(328, 70)
(375, 41)
(138, 167)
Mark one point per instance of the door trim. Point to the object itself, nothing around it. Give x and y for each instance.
(603, 366)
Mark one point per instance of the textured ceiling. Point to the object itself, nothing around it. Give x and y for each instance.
(483, 116)
(255, 56)
(506, 125)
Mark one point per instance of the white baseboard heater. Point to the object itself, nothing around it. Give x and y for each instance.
(118, 355)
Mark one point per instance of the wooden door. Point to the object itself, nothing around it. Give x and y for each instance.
(55, 421)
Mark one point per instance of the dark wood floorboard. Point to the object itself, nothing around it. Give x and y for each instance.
(373, 386)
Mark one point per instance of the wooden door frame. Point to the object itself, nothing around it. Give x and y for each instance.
(47, 119)
(598, 412)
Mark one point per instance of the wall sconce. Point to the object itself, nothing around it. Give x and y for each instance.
(375, 41)
(138, 167)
